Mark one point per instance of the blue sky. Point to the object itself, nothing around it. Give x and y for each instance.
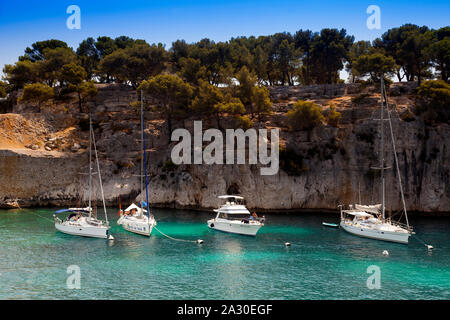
(25, 22)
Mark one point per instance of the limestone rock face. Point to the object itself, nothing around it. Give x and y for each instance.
(335, 163)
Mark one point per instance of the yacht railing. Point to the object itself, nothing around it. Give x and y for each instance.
(399, 224)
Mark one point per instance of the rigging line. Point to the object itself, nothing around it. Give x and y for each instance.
(172, 238)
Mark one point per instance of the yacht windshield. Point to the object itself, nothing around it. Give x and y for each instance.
(239, 216)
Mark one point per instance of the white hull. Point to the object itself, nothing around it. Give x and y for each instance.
(399, 237)
(249, 229)
(84, 231)
(141, 227)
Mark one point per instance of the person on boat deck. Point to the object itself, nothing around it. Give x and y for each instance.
(254, 216)
(74, 217)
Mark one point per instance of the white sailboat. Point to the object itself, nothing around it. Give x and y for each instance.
(81, 222)
(135, 218)
(234, 217)
(370, 221)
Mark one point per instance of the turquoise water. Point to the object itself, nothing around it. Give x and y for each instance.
(322, 263)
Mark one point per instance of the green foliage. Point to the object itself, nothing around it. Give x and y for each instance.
(439, 52)
(333, 117)
(53, 61)
(376, 65)
(356, 50)
(213, 101)
(21, 73)
(171, 92)
(433, 101)
(72, 73)
(255, 99)
(244, 90)
(192, 70)
(3, 89)
(305, 57)
(329, 49)
(407, 45)
(86, 90)
(230, 105)
(261, 103)
(206, 98)
(36, 52)
(37, 93)
(134, 64)
(105, 46)
(243, 122)
(88, 56)
(72, 79)
(305, 115)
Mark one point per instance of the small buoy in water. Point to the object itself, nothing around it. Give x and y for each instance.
(199, 241)
(430, 247)
(287, 244)
(385, 253)
(110, 237)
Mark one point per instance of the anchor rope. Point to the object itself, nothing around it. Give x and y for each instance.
(420, 240)
(42, 217)
(172, 238)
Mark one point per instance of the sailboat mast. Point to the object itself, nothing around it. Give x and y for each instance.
(142, 148)
(382, 151)
(90, 165)
(146, 185)
(99, 176)
(396, 161)
(144, 158)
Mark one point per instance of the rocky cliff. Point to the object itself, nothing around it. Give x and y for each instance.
(43, 157)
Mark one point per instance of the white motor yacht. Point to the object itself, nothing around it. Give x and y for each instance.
(233, 217)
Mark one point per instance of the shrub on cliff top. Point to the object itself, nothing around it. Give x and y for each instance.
(243, 122)
(305, 115)
(433, 101)
(37, 93)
